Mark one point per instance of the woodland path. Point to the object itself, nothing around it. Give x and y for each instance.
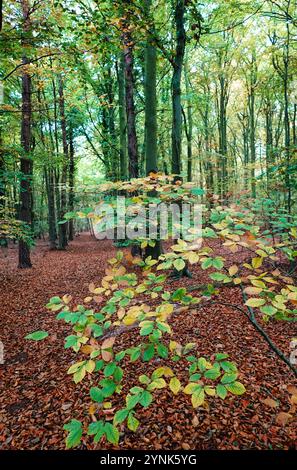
(37, 397)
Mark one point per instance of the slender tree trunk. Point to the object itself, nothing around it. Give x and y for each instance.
(222, 171)
(49, 180)
(26, 163)
(129, 90)
(269, 141)
(150, 99)
(71, 184)
(252, 139)
(287, 126)
(62, 242)
(122, 119)
(176, 86)
(189, 126)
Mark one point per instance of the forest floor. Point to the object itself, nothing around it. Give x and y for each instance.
(37, 396)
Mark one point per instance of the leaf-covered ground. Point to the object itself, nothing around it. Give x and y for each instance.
(37, 397)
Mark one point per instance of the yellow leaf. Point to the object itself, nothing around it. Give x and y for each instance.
(209, 391)
(66, 298)
(198, 398)
(257, 262)
(90, 366)
(174, 385)
(189, 389)
(255, 302)
(233, 270)
(253, 290)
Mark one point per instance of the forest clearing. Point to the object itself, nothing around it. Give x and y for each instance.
(148, 226)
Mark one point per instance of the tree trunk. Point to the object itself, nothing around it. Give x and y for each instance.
(62, 241)
(176, 86)
(49, 180)
(222, 171)
(150, 99)
(71, 184)
(26, 163)
(122, 119)
(189, 126)
(269, 141)
(129, 89)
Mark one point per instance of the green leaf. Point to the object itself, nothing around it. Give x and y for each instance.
(109, 369)
(207, 263)
(149, 352)
(221, 391)
(268, 310)
(146, 328)
(70, 341)
(236, 388)
(228, 366)
(37, 335)
(118, 374)
(144, 379)
(219, 277)
(132, 422)
(218, 263)
(97, 330)
(120, 416)
(96, 394)
(162, 350)
(109, 387)
(132, 400)
(179, 264)
(55, 300)
(228, 378)
(221, 356)
(212, 373)
(75, 432)
(96, 429)
(112, 434)
(197, 191)
(146, 399)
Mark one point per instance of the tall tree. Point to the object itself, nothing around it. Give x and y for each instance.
(120, 67)
(128, 46)
(150, 95)
(63, 192)
(26, 163)
(176, 136)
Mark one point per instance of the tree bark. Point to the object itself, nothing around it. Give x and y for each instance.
(122, 119)
(26, 163)
(150, 99)
(62, 239)
(71, 184)
(128, 45)
(176, 86)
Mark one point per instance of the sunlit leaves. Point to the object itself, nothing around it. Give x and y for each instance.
(37, 335)
(255, 302)
(175, 385)
(74, 429)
